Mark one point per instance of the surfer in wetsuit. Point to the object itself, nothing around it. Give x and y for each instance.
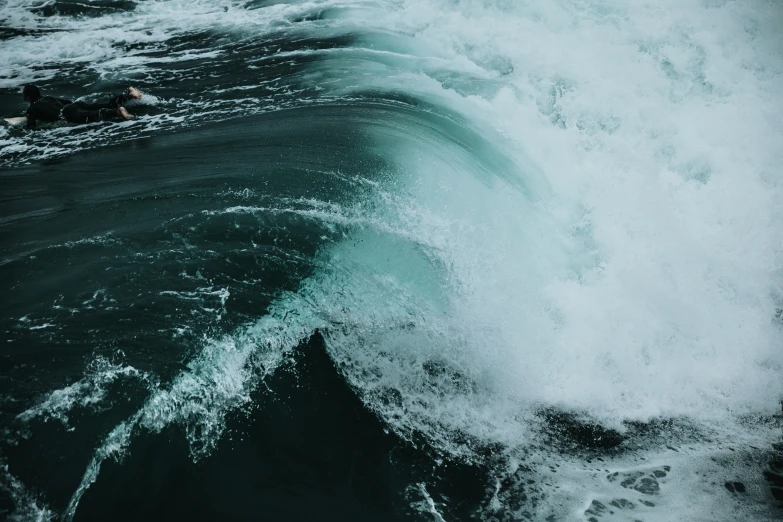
(49, 109)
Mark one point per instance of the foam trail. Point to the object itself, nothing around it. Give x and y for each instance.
(28, 507)
(87, 392)
(59, 42)
(217, 381)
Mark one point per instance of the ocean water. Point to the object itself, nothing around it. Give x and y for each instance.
(394, 260)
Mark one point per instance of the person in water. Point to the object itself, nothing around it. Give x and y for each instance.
(49, 109)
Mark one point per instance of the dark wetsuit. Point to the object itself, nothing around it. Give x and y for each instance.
(45, 109)
(48, 109)
(83, 112)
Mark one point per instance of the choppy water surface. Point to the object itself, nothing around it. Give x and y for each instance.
(430, 260)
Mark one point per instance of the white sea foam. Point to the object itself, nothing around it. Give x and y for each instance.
(28, 507)
(101, 42)
(217, 381)
(640, 276)
(642, 279)
(88, 392)
(656, 130)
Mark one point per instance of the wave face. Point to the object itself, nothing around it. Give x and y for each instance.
(394, 260)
